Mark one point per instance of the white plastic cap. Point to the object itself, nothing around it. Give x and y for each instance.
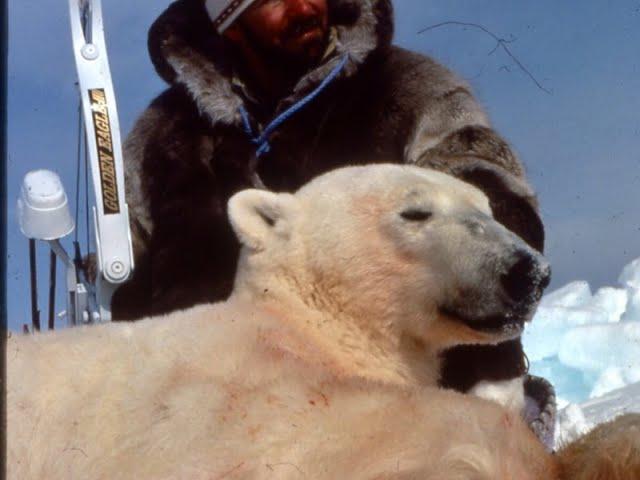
(43, 209)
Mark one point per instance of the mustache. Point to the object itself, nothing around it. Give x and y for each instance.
(301, 26)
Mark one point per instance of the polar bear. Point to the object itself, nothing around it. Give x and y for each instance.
(319, 364)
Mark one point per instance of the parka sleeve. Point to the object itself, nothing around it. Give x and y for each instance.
(183, 246)
(137, 199)
(132, 299)
(451, 133)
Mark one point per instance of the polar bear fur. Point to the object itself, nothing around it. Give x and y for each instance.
(227, 392)
(611, 451)
(314, 368)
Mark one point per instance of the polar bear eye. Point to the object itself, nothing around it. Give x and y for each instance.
(415, 215)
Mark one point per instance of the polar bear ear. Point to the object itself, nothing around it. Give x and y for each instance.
(259, 217)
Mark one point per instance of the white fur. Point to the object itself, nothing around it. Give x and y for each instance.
(509, 393)
(321, 365)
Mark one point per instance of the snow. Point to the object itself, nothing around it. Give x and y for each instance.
(588, 346)
(611, 300)
(594, 348)
(576, 420)
(630, 280)
(632, 310)
(572, 424)
(611, 379)
(571, 295)
(630, 276)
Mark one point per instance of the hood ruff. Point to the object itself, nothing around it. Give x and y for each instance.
(187, 51)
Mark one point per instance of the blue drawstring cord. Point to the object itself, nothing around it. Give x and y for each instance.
(262, 140)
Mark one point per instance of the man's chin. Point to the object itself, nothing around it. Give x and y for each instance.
(308, 47)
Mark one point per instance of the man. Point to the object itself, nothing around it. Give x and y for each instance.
(273, 93)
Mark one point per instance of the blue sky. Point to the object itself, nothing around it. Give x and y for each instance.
(579, 144)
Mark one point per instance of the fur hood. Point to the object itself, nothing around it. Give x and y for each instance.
(187, 52)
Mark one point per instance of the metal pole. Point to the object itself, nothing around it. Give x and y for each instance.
(4, 28)
(76, 300)
(35, 313)
(52, 289)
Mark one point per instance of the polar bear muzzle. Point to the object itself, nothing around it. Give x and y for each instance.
(497, 279)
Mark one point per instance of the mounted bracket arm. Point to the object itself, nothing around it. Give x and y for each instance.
(104, 147)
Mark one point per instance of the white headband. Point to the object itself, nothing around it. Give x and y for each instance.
(224, 12)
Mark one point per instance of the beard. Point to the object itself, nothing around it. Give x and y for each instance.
(285, 54)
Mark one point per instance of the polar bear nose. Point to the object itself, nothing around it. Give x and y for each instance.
(528, 276)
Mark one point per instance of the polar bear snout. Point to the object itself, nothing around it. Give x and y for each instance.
(515, 275)
(523, 284)
(498, 279)
(527, 278)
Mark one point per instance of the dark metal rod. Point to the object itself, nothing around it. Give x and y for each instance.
(35, 314)
(79, 156)
(77, 259)
(52, 289)
(86, 191)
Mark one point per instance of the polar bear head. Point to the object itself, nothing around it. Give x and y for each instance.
(395, 252)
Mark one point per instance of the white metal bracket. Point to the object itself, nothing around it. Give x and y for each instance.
(104, 148)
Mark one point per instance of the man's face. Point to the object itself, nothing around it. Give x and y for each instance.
(293, 29)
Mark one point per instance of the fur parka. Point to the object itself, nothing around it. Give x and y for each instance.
(188, 153)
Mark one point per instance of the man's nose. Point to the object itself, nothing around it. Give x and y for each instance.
(300, 8)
